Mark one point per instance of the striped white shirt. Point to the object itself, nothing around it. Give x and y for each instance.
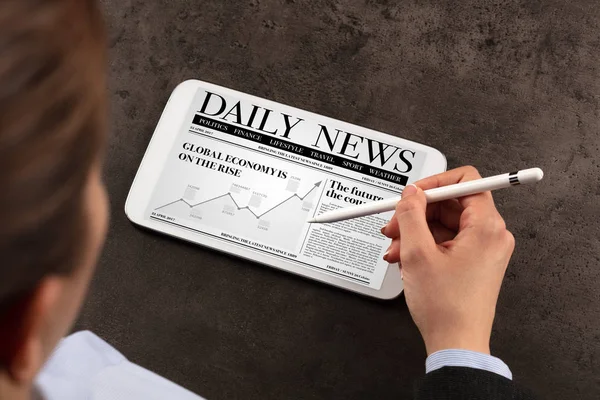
(466, 358)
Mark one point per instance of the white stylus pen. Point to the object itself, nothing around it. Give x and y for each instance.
(455, 191)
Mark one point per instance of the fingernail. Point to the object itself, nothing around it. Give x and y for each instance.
(387, 252)
(409, 190)
(383, 230)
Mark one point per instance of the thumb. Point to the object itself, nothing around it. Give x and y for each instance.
(417, 242)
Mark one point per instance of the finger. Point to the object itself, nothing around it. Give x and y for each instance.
(483, 201)
(457, 175)
(391, 230)
(417, 240)
(447, 212)
(393, 252)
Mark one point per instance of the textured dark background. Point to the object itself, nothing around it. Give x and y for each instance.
(498, 84)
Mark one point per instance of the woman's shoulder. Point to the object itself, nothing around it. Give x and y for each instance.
(86, 366)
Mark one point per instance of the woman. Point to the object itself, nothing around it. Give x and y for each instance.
(53, 216)
(53, 205)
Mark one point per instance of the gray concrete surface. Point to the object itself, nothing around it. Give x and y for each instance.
(498, 84)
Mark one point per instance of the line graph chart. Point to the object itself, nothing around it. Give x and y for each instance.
(274, 218)
(258, 216)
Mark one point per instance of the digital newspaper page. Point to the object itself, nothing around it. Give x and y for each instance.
(252, 175)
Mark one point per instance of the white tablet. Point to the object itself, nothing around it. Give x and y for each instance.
(242, 175)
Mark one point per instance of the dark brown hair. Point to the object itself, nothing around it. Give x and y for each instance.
(52, 124)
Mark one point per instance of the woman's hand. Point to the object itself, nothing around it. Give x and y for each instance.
(453, 256)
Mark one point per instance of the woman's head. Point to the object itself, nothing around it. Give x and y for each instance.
(52, 203)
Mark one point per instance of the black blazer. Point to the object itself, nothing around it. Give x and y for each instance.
(460, 383)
